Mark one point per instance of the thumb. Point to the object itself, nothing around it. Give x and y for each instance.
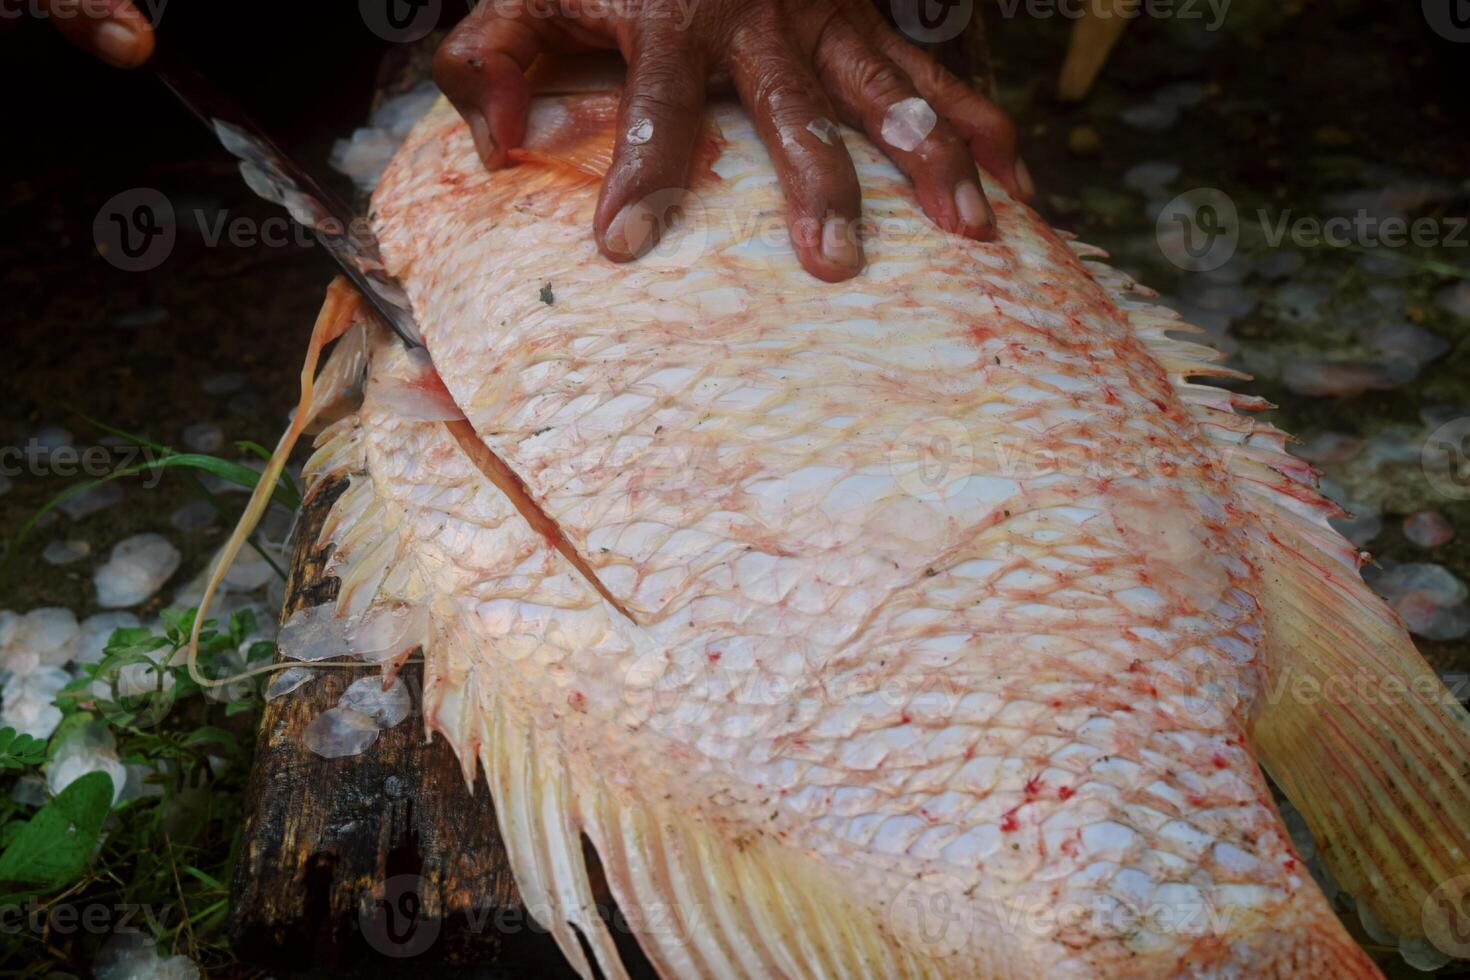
(112, 30)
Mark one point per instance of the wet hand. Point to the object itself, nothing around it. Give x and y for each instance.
(796, 64)
(113, 30)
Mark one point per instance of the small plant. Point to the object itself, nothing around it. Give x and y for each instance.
(161, 855)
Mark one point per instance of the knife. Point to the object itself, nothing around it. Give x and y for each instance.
(274, 176)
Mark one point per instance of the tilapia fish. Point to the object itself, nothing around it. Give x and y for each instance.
(935, 623)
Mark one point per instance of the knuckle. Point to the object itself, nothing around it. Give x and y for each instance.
(880, 82)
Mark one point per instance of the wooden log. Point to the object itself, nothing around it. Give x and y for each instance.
(384, 863)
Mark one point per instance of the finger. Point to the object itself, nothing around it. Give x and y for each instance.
(874, 94)
(658, 124)
(823, 199)
(481, 69)
(113, 30)
(985, 127)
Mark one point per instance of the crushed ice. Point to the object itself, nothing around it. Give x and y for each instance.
(314, 633)
(95, 498)
(339, 732)
(823, 129)
(640, 132)
(907, 123)
(65, 551)
(1429, 598)
(287, 681)
(365, 154)
(386, 707)
(132, 955)
(137, 569)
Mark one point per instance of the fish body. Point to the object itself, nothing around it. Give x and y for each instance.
(931, 623)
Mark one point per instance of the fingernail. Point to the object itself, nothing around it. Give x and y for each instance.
(632, 231)
(484, 142)
(974, 212)
(1023, 180)
(838, 244)
(116, 44)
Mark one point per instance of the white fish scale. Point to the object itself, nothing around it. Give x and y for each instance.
(984, 674)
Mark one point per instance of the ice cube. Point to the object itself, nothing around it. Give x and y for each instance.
(1428, 529)
(49, 633)
(287, 681)
(204, 437)
(136, 570)
(1150, 176)
(1151, 117)
(65, 551)
(314, 633)
(907, 123)
(87, 502)
(387, 708)
(1455, 299)
(339, 732)
(193, 516)
(223, 384)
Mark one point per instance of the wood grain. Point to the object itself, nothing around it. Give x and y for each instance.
(373, 860)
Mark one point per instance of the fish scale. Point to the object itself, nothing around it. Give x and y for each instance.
(926, 624)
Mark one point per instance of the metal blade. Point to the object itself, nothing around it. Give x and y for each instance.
(273, 175)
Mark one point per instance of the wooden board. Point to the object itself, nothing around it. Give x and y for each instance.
(382, 857)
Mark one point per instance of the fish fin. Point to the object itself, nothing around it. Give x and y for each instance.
(576, 133)
(699, 904)
(341, 311)
(1355, 727)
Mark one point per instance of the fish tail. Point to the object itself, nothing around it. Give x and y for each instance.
(1354, 726)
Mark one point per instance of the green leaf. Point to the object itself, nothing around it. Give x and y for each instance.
(19, 751)
(55, 845)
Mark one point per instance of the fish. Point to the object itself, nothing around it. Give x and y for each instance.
(943, 622)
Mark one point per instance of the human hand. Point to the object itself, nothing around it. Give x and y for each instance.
(796, 64)
(112, 30)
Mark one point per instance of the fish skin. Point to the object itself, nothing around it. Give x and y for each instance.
(1020, 692)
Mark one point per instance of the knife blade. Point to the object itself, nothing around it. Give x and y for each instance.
(275, 176)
